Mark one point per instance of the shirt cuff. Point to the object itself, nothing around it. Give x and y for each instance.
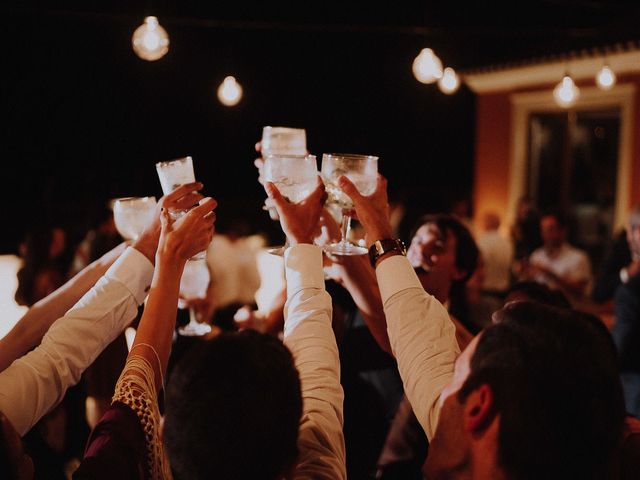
(134, 271)
(303, 268)
(394, 275)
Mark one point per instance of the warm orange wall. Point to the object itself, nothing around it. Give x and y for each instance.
(493, 132)
(493, 151)
(635, 154)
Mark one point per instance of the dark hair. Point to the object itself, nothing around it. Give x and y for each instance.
(233, 409)
(553, 373)
(538, 292)
(561, 218)
(466, 248)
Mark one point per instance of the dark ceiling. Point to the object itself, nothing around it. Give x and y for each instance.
(85, 119)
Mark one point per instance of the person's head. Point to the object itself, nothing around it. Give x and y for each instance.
(536, 395)
(536, 292)
(633, 231)
(443, 253)
(553, 229)
(15, 464)
(233, 406)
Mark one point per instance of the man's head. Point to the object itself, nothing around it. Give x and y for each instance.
(443, 253)
(233, 409)
(535, 396)
(536, 292)
(633, 232)
(553, 230)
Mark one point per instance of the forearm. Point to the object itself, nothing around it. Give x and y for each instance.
(30, 329)
(36, 382)
(422, 338)
(360, 281)
(309, 336)
(158, 320)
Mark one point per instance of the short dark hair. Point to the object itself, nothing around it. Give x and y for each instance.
(554, 377)
(233, 409)
(541, 293)
(466, 248)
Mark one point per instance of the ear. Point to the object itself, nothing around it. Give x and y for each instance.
(479, 409)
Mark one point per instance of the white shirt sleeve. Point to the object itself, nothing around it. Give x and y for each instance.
(422, 337)
(36, 382)
(308, 334)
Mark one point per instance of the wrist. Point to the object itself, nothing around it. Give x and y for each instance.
(147, 247)
(379, 233)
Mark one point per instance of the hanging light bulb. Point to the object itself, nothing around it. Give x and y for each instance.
(427, 67)
(605, 78)
(566, 93)
(150, 41)
(229, 92)
(449, 82)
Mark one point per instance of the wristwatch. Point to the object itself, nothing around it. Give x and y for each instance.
(382, 247)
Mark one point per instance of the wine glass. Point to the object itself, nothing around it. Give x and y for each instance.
(193, 284)
(132, 215)
(295, 177)
(172, 174)
(362, 170)
(281, 141)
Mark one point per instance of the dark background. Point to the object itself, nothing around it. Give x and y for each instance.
(85, 119)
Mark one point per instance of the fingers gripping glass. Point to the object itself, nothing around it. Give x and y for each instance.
(294, 176)
(362, 170)
(282, 141)
(173, 174)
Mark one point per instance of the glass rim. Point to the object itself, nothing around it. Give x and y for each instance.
(131, 199)
(354, 156)
(280, 155)
(276, 127)
(175, 160)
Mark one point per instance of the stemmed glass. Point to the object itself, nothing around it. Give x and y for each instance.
(362, 170)
(132, 215)
(281, 141)
(193, 284)
(295, 177)
(172, 174)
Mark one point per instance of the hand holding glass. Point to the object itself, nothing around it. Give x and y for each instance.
(362, 170)
(173, 174)
(294, 176)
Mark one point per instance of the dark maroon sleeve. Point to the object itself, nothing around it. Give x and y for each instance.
(116, 448)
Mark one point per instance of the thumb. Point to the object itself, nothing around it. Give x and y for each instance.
(165, 219)
(275, 195)
(349, 188)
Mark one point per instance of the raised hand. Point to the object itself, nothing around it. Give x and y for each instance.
(182, 198)
(188, 235)
(372, 210)
(299, 221)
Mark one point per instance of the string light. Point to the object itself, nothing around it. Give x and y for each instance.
(566, 93)
(449, 82)
(229, 92)
(427, 67)
(150, 41)
(605, 78)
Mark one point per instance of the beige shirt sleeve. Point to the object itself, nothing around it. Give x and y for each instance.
(36, 382)
(308, 334)
(423, 338)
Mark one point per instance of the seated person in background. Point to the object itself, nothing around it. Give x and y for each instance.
(622, 262)
(558, 264)
(217, 426)
(504, 407)
(497, 253)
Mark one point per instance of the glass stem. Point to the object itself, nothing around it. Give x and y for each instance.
(192, 316)
(345, 227)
